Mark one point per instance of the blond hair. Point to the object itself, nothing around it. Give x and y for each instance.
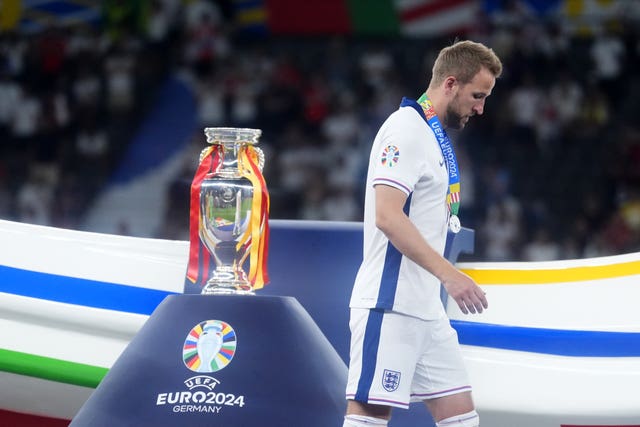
(463, 60)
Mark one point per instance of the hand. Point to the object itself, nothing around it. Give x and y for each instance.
(467, 294)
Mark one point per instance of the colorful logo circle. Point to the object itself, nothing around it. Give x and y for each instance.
(209, 346)
(390, 155)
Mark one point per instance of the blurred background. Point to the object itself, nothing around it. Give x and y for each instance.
(103, 106)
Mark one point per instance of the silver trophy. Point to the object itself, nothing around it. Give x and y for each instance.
(226, 198)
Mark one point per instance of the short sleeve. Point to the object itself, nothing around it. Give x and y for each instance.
(399, 155)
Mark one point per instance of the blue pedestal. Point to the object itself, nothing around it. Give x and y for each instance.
(274, 368)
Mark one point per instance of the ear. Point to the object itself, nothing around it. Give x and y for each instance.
(450, 85)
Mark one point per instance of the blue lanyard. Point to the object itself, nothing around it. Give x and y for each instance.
(425, 109)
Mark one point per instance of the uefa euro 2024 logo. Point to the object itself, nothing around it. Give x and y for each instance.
(209, 346)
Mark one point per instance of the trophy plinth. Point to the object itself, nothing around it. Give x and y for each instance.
(205, 362)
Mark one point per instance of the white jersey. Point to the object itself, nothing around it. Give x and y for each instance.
(405, 155)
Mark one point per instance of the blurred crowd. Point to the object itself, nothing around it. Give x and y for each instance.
(70, 98)
(550, 171)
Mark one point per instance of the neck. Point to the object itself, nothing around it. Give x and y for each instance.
(438, 102)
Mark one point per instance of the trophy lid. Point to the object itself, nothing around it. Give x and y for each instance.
(226, 135)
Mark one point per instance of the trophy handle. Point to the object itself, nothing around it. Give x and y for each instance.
(260, 157)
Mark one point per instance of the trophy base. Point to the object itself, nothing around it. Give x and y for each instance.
(227, 280)
(227, 289)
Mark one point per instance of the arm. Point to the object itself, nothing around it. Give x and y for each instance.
(403, 234)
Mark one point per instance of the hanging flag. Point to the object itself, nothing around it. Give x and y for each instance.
(10, 14)
(250, 16)
(373, 17)
(295, 17)
(431, 18)
(317, 17)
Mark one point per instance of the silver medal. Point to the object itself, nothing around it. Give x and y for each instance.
(454, 224)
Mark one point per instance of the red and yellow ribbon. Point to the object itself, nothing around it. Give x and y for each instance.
(257, 234)
(199, 257)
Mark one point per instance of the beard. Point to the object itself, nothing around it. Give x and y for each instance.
(452, 119)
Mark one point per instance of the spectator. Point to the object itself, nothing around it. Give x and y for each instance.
(541, 247)
(35, 197)
(119, 72)
(501, 231)
(608, 55)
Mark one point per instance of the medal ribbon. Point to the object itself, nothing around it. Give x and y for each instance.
(257, 233)
(453, 193)
(198, 266)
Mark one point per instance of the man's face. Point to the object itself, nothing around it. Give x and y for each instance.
(469, 99)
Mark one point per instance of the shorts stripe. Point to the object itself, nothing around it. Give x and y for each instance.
(459, 420)
(377, 401)
(369, 354)
(442, 392)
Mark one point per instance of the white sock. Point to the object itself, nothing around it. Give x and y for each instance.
(470, 419)
(363, 421)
